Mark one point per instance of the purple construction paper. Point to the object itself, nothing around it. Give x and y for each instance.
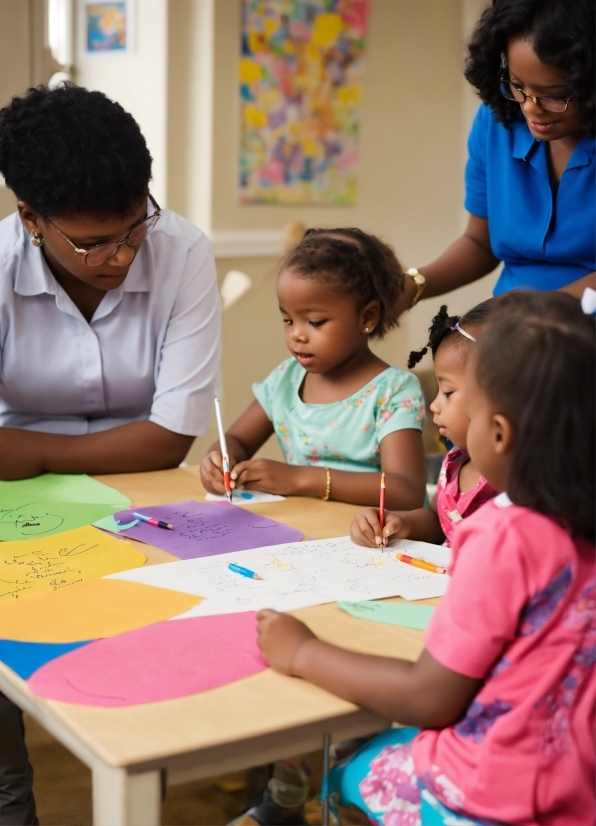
(205, 529)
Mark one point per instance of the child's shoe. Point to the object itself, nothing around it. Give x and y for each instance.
(283, 800)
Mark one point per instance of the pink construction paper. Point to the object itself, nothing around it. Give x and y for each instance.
(159, 662)
(205, 529)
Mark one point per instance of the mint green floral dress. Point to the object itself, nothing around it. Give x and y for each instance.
(344, 435)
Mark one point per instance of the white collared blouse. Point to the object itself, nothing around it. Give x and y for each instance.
(151, 350)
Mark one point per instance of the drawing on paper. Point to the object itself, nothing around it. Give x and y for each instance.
(296, 575)
(301, 76)
(278, 565)
(32, 520)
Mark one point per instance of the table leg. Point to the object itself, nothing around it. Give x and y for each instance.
(124, 799)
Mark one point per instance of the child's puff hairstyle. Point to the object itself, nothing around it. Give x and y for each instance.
(563, 36)
(443, 328)
(69, 151)
(537, 363)
(352, 261)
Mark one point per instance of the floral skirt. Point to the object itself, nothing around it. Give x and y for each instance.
(380, 779)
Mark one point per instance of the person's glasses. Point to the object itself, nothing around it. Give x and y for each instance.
(549, 103)
(100, 253)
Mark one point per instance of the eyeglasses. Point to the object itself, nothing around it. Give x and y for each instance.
(549, 103)
(100, 253)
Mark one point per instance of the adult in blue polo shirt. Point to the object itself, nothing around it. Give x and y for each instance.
(530, 176)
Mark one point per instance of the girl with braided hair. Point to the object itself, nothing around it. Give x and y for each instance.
(339, 412)
(461, 490)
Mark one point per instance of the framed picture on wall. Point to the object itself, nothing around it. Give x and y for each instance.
(107, 27)
(300, 85)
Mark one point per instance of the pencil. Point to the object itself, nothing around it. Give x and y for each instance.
(225, 459)
(382, 509)
(421, 563)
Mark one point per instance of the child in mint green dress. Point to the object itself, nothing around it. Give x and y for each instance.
(340, 413)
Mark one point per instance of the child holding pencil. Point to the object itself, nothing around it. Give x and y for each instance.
(503, 696)
(339, 411)
(461, 488)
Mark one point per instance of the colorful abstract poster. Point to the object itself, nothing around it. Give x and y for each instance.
(301, 78)
(107, 27)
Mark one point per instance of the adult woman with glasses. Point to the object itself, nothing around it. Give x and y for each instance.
(530, 176)
(109, 310)
(109, 319)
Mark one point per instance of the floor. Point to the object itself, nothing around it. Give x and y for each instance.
(63, 789)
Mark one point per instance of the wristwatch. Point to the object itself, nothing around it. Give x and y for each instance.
(420, 282)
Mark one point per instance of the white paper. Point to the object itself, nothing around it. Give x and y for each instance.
(299, 574)
(246, 497)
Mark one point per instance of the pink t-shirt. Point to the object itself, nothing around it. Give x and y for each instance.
(519, 613)
(453, 506)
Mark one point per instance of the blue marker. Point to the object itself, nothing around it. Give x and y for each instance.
(238, 569)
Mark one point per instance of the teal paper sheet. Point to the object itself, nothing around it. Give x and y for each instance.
(391, 613)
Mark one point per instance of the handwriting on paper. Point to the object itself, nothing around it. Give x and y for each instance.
(54, 562)
(296, 575)
(202, 529)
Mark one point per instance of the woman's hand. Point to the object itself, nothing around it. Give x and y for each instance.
(212, 472)
(269, 476)
(366, 528)
(281, 639)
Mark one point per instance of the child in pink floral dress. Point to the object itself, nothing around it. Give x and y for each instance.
(503, 697)
(461, 489)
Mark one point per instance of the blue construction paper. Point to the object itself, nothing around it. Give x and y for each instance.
(26, 657)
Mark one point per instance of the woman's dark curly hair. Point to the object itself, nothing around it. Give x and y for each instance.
(563, 35)
(68, 151)
(352, 261)
(443, 329)
(537, 364)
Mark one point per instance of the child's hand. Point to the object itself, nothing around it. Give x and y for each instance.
(212, 472)
(281, 638)
(366, 529)
(267, 475)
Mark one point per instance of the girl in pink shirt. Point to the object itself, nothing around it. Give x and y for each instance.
(503, 696)
(461, 489)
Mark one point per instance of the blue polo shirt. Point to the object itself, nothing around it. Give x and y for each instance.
(545, 239)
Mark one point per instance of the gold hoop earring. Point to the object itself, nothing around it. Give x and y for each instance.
(37, 239)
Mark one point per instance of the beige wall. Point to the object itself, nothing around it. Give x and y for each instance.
(137, 80)
(24, 61)
(416, 114)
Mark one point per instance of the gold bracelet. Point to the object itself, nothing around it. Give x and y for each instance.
(328, 487)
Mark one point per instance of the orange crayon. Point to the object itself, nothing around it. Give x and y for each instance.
(421, 563)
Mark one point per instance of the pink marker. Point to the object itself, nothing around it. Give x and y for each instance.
(157, 523)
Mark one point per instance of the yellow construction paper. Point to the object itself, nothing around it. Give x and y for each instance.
(50, 563)
(90, 610)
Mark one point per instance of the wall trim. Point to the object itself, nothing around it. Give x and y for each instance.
(242, 243)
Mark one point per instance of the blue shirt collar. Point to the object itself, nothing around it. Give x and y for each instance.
(524, 144)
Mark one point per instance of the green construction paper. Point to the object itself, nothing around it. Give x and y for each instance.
(391, 613)
(54, 487)
(53, 503)
(48, 518)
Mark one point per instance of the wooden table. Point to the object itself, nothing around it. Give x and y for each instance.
(251, 722)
